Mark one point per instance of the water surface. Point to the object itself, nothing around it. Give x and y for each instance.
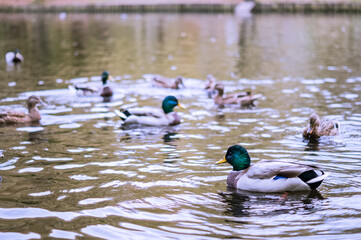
(78, 175)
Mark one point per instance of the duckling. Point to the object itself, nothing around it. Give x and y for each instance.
(243, 99)
(152, 117)
(8, 118)
(14, 57)
(320, 127)
(160, 81)
(268, 175)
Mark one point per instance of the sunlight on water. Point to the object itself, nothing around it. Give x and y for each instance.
(80, 174)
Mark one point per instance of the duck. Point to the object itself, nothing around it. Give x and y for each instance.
(243, 99)
(270, 175)
(14, 57)
(33, 115)
(105, 91)
(163, 82)
(318, 127)
(1, 154)
(152, 116)
(210, 84)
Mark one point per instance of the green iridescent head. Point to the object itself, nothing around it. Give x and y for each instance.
(105, 77)
(238, 157)
(169, 103)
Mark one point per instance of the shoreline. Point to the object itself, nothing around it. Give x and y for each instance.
(199, 6)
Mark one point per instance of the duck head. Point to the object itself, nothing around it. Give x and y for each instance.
(238, 157)
(219, 87)
(210, 82)
(179, 81)
(169, 103)
(314, 124)
(106, 77)
(33, 101)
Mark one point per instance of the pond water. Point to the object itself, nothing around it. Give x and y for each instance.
(79, 175)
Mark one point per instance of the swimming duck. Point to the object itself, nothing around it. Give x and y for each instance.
(243, 99)
(160, 81)
(268, 175)
(7, 118)
(14, 57)
(151, 116)
(106, 92)
(320, 127)
(210, 85)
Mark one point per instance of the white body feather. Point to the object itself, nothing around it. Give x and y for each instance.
(151, 116)
(260, 177)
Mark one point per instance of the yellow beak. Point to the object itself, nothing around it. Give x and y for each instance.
(111, 78)
(223, 160)
(181, 106)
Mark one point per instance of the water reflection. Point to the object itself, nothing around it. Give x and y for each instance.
(242, 203)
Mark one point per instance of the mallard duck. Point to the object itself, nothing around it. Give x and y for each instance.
(14, 57)
(243, 99)
(160, 81)
(151, 116)
(106, 92)
(270, 176)
(210, 85)
(320, 127)
(7, 118)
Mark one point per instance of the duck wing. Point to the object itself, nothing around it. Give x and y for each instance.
(147, 111)
(9, 57)
(328, 127)
(12, 117)
(266, 169)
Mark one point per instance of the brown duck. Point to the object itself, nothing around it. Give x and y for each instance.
(8, 118)
(318, 127)
(160, 81)
(243, 99)
(210, 85)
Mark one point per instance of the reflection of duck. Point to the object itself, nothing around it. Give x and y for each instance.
(10, 117)
(270, 176)
(169, 137)
(242, 203)
(152, 116)
(243, 99)
(320, 127)
(14, 57)
(160, 81)
(312, 146)
(106, 92)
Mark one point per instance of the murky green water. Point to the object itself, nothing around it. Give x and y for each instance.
(78, 175)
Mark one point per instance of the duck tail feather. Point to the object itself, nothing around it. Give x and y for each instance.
(319, 178)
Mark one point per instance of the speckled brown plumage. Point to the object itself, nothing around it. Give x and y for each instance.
(318, 127)
(160, 81)
(11, 117)
(243, 99)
